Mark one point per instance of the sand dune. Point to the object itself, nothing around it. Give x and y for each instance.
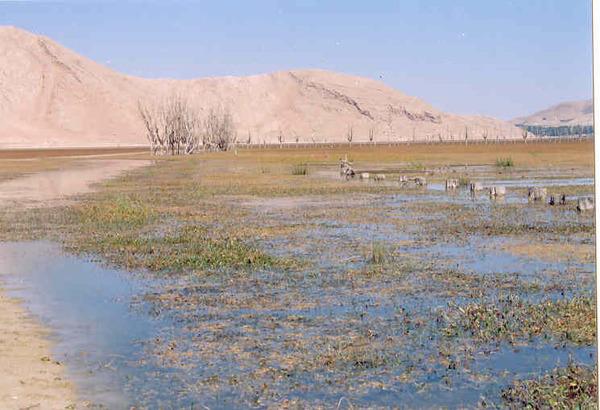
(567, 113)
(53, 97)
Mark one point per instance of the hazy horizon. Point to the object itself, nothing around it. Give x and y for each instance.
(502, 59)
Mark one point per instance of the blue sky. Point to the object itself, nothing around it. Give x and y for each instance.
(490, 57)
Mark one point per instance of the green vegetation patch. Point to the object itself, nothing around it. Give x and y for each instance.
(510, 318)
(119, 213)
(191, 248)
(573, 387)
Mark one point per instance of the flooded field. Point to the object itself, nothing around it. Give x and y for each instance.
(224, 280)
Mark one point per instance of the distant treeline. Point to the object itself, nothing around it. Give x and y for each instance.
(560, 131)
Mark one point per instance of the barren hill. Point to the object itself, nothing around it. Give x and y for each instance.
(53, 97)
(567, 113)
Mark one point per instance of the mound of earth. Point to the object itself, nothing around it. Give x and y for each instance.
(567, 113)
(53, 97)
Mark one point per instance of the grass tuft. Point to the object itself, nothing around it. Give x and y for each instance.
(378, 253)
(463, 181)
(505, 162)
(416, 166)
(300, 169)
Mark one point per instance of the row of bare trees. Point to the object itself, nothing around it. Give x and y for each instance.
(175, 127)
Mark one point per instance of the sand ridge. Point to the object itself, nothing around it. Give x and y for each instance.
(52, 97)
(567, 113)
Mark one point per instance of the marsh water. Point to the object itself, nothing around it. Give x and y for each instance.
(56, 185)
(101, 334)
(253, 340)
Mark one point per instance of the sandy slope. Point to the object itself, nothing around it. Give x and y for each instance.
(567, 113)
(50, 96)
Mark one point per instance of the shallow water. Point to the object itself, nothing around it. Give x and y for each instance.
(42, 187)
(87, 307)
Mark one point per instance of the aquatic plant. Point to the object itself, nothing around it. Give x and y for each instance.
(356, 353)
(573, 387)
(511, 317)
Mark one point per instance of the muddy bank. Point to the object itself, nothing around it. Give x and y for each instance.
(30, 377)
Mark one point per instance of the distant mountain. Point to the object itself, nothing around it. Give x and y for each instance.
(570, 113)
(53, 97)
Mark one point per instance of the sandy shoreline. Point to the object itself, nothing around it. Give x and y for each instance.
(30, 376)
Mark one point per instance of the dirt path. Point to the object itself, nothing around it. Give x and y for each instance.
(29, 376)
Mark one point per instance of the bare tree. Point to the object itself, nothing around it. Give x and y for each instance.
(350, 135)
(219, 130)
(280, 138)
(466, 135)
(154, 128)
(249, 139)
(371, 135)
(525, 135)
(485, 135)
(172, 126)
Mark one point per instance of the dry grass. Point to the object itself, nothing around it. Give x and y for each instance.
(15, 163)
(10, 169)
(560, 252)
(66, 152)
(575, 154)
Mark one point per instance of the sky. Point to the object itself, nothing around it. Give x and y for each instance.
(498, 58)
